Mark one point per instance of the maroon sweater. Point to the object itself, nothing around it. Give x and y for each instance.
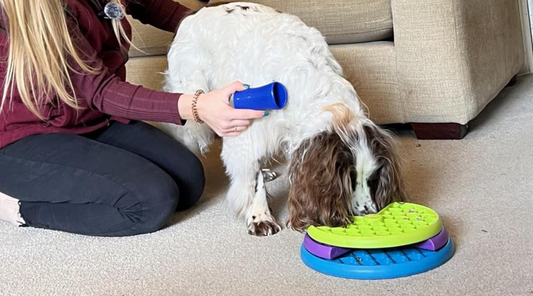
(105, 96)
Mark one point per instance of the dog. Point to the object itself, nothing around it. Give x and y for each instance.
(341, 164)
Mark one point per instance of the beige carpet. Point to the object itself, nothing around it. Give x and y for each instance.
(481, 186)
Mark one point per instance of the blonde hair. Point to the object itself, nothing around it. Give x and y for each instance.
(39, 48)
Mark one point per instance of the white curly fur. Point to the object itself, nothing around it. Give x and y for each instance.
(257, 45)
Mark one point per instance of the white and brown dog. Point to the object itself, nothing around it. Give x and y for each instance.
(341, 163)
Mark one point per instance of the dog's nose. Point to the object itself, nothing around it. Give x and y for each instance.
(372, 209)
(369, 210)
(360, 212)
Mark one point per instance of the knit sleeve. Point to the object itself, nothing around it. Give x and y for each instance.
(109, 94)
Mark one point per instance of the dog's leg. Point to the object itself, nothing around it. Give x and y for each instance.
(259, 218)
(247, 195)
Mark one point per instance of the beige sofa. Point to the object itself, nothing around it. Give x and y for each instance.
(433, 64)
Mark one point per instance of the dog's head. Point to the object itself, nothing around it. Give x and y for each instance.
(351, 169)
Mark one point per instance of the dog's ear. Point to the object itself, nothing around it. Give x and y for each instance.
(388, 186)
(320, 175)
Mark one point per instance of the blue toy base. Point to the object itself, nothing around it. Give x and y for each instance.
(380, 263)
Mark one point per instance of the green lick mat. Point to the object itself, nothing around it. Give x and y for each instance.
(399, 224)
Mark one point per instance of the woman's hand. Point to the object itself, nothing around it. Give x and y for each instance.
(214, 109)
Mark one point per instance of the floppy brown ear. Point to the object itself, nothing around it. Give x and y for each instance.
(388, 187)
(320, 175)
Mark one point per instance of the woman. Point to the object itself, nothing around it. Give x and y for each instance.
(75, 155)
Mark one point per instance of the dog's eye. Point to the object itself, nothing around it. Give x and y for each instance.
(353, 177)
(373, 177)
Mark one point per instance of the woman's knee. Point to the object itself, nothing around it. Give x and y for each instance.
(158, 196)
(193, 188)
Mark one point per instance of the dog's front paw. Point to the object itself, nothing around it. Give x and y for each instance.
(262, 225)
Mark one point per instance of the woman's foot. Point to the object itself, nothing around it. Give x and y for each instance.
(10, 210)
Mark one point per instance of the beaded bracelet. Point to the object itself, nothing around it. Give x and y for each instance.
(194, 108)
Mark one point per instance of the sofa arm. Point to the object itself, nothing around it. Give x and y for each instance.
(454, 56)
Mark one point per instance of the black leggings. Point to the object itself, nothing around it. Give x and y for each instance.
(127, 179)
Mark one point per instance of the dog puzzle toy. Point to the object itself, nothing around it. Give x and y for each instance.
(435, 242)
(380, 263)
(272, 96)
(402, 239)
(331, 252)
(398, 224)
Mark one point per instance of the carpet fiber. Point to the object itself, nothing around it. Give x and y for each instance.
(480, 185)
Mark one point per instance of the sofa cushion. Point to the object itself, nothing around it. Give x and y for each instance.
(147, 71)
(341, 21)
(149, 40)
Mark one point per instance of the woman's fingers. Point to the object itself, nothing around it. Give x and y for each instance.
(231, 132)
(240, 122)
(223, 118)
(231, 124)
(235, 86)
(237, 130)
(246, 114)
